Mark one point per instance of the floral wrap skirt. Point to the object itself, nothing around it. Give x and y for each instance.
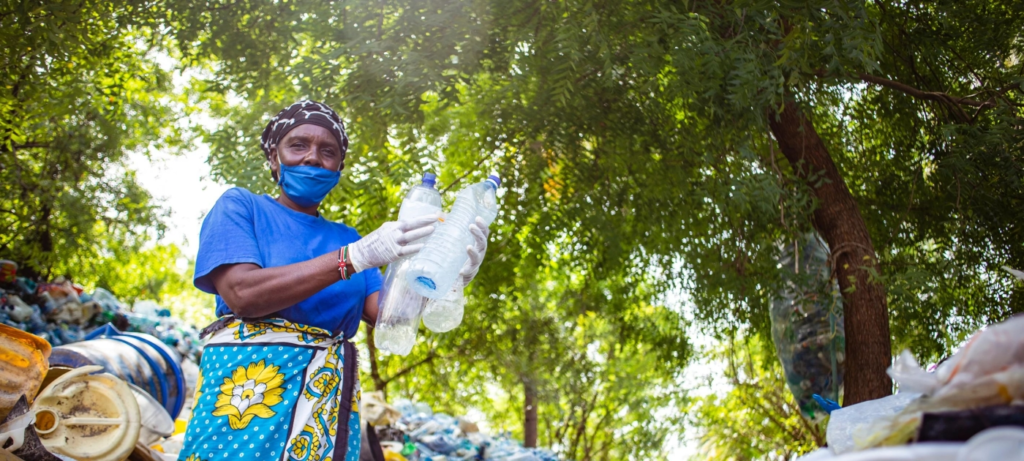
(274, 390)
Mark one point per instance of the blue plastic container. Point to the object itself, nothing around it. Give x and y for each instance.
(140, 359)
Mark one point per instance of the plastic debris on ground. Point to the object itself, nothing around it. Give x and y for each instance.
(807, 325)
(61, 312)
(23, 366)
(88, 415)
(81, 414)
(130, 422)
(422, 435)
(980, 389)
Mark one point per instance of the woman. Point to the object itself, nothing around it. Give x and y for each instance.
(278, 378)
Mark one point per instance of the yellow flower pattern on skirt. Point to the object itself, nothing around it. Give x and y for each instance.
(273, 390)
(249, 392)
(307, 334)
(316, 441)
(199, 386)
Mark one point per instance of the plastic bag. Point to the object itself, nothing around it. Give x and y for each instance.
(851, 422)
(807, 325)
(995, 349)
(107, 300)
(376, 411)
(1000, 443)
(988, 370)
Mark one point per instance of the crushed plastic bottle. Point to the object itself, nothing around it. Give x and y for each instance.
(400, 306)
(433, 271)
(399, 315)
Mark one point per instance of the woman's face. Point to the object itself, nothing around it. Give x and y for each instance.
(308, 145)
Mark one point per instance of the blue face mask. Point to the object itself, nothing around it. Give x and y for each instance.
(307, 185)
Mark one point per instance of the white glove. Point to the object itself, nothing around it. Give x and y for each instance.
(476, 251)
(390, 242)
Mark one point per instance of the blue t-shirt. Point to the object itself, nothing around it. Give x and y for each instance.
(246, 228)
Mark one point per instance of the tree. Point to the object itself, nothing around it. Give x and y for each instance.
(78, 94)
(674, 145)
(630, 96)
(749, 414)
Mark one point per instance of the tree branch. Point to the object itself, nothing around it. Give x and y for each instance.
(467, 173)
(929, 95)
(431, 356)
(378, 383)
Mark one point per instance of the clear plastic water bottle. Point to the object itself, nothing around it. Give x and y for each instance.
(433, 271)
(444, 314)
(400, 307)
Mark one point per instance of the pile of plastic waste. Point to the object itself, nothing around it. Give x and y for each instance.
(61, 312)
(111, 397)
(969, 407)
(411, 431)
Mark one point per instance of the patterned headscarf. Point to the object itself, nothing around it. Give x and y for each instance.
(301, 113)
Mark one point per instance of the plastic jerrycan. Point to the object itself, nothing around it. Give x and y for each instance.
(88, 417)
(24, 359)
(433, 271)
(400, 306)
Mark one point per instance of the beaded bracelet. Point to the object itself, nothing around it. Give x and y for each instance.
(345, 268)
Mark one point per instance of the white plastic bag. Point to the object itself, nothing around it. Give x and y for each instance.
(848, 424)
(999, 443)
(988, 370)
(995, 349)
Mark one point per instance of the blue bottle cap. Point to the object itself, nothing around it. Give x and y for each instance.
(429, 179)
(495, 179)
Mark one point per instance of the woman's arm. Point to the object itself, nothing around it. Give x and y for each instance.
(252, 291)
(371, 308)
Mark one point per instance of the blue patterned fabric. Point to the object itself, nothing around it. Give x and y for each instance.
(274, 390)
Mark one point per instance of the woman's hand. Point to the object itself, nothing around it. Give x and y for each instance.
(476, 251)
(390, 242)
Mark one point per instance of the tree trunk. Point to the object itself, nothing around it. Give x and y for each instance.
(530, 421)
(378, 383)
(838, 220)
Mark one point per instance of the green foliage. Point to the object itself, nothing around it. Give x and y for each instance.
(749, 414)
(605, 361)
(633, 140)
(78, 93)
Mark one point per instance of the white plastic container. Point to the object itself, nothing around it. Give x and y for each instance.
(400, 307)
(88, 417)
(433, 271)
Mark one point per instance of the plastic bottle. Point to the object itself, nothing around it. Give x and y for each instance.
(434, 269)
(400, 306)
(444, 314)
